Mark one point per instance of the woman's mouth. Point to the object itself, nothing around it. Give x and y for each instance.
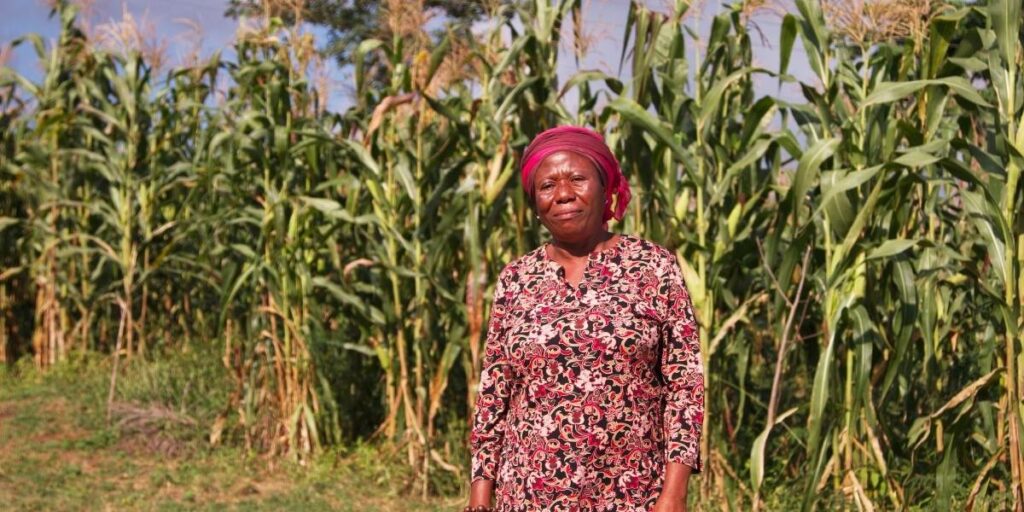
(567, 215)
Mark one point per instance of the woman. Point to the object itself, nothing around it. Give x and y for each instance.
(592, 394)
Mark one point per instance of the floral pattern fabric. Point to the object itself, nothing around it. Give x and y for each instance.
(588, 391)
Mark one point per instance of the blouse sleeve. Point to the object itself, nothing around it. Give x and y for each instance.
(682, 370)
(493, 394)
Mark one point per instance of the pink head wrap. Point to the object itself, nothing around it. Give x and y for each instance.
(588, 143)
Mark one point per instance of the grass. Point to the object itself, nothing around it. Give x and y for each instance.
(57, 452)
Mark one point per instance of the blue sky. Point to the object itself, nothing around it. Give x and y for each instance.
(25, 16)
(604, 20)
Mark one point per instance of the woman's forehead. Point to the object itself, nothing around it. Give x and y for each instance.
(564, 161)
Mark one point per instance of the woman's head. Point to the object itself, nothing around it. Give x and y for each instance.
(568, 196)
(573, 182)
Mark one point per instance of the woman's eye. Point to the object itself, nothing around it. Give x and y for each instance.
(578, 179)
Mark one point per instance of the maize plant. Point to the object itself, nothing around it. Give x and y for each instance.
(40, 169)
(271, 238)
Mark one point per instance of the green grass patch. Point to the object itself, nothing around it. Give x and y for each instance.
(59, 452)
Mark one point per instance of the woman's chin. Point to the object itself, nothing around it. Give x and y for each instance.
(572, 232)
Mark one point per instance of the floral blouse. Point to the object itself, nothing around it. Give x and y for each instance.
(588, 391)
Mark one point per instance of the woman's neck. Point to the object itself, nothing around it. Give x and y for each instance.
(581, 248)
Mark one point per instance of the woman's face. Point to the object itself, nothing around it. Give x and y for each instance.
(569, 196)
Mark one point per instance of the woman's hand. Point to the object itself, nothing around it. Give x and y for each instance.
(665, 504)
(480, 493)
(673, 493)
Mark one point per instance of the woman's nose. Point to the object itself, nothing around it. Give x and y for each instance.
(564, 192)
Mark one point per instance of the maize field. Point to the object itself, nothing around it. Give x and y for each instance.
(855, 258)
